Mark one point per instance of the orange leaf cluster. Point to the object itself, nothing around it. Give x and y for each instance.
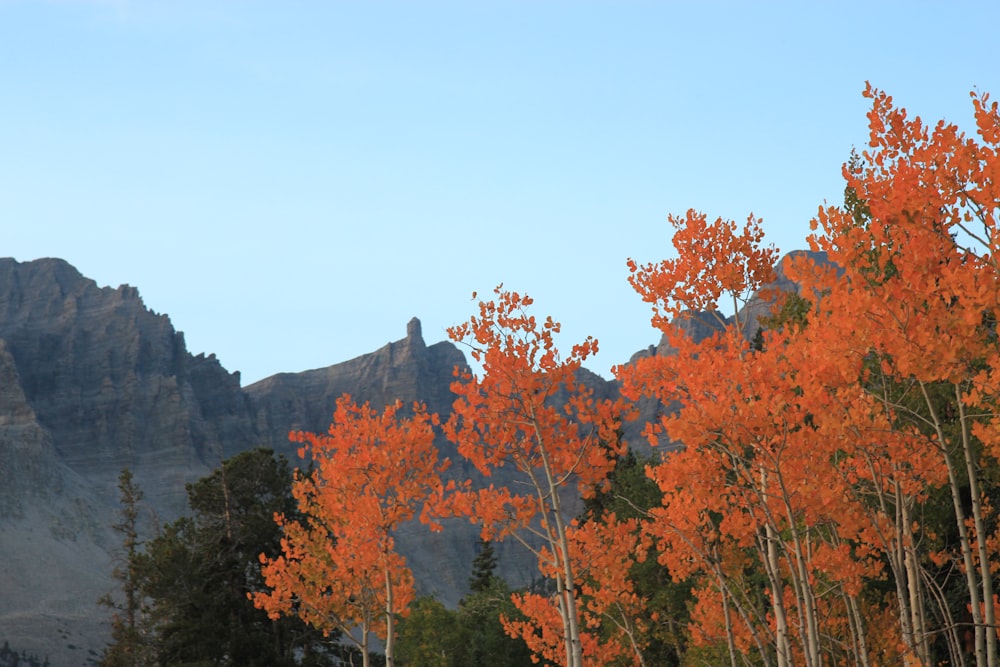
(713, 261)
(372, 471)
(529, 415)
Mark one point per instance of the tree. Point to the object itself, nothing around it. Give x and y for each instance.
(529, 416)
(338, 569)
(801, 503)
(483, 567)
(11, 658)
(920, 279)
(433, 636)
(129, 645)
(469, 636)
(199, 571)
(743, 511)
(660, 606)
(480, 612)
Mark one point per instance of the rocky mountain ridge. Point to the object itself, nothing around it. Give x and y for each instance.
(92, 381)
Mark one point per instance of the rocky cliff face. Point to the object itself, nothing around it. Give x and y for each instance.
(91, 381)
(26, 450)
(405, 370)
(111, 381)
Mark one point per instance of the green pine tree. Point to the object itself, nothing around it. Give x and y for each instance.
(483, 567)
(199, 571)
(129, 645)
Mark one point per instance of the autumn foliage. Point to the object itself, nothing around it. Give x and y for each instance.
(529, 414)
(810, 458)
(339, 569)
(826, 458)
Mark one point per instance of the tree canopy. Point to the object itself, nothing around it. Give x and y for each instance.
(194, 577)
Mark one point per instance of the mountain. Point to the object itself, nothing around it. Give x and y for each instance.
(92, 381)
(407, 370)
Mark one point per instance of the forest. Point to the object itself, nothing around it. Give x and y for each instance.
(822, 490)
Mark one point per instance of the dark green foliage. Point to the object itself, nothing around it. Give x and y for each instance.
(198, 573)
(794, 311)
(880, 265)
(470, 636)
(489, 645)
(630, 495)
(432, 636)
(129, 645)
(791, 310)
(853, 203)
(483, 567)
(11, 658)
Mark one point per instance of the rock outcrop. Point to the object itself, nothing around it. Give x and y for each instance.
(405, 370)
(92, 381)
(112, 382)
(26, 451)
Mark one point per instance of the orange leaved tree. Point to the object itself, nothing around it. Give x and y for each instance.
(528, 417)
(810, 458)
(749, 512)
(339, 569)
(602, 553)
(918, 299)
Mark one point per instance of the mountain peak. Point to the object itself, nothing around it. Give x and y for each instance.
(413, 329)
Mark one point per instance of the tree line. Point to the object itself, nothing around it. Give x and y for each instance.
(183, 594)
(11, 658)
(822, 492)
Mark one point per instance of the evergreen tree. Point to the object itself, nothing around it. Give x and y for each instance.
(480, 614)
(472, 635)
(11, 658)
(129, 643)
(483, 567)
(199, 571)
(432, 636)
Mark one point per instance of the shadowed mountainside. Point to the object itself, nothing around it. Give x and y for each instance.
(92, 381)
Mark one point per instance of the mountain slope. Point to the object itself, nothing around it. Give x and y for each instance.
(92, 381)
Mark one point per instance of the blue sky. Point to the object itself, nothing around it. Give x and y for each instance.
(292, 181)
